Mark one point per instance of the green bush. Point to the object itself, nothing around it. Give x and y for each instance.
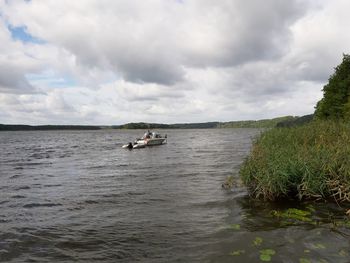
(335, 103)
(310, 161)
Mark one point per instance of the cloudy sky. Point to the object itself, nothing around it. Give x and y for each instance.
(166, 61)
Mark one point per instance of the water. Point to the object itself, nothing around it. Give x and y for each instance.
(78, 196)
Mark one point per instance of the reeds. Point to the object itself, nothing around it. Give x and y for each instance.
(309, 161)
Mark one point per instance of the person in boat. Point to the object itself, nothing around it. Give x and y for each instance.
(147, 135)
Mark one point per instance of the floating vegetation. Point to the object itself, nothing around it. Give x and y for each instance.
(322, 221)
(257, 241)
(293, 214)
(235, 226)
(266, 254)
(232, 181)
(237, 252)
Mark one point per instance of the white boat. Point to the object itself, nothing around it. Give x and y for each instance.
(152, 139)
(148, 139)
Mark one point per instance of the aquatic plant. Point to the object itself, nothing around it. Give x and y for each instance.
(266, 254)
(310, 161)
(232, 181)
(257, 241)
(229, 182)
(237, 252)
(293, 214)
(235, 226)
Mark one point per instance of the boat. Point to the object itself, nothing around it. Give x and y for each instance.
(148, 139)
(151, 139)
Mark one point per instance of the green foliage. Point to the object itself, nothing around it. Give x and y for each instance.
(310, 161)
(266, 254)
(335, 103)
(266, 123)
(297, 121)
(293, 214)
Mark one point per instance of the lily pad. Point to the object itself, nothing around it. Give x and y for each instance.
(268, 251)
(265, 254)
(265, 257)
(257, 241)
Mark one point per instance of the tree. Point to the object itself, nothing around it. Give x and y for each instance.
(335, 103)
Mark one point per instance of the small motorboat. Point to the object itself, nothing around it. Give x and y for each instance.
(152, 138)
(148, 139)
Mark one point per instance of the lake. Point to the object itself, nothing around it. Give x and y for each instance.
(78, 196)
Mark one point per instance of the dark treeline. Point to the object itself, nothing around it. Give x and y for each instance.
(266, 123)
(143, 125)
(14, 127)
(296, 121)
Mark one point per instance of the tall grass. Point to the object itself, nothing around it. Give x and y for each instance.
(310, 161)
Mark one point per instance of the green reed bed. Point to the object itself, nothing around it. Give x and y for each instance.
(310, 161)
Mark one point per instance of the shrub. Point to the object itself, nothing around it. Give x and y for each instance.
(310, 161)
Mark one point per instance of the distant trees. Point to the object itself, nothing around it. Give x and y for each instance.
(335, 103)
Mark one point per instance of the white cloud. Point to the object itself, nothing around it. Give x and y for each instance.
(109, 62)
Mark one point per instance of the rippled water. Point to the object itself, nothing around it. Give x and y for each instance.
(78, 196)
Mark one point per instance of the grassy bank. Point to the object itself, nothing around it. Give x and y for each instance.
(309, 161)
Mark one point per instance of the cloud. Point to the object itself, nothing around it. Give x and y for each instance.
(13, 64)
(12, 80)
(235, 32)
(320, 38)
(152, 42)
(109, 62)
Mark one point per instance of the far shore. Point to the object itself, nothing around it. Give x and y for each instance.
(264, 123)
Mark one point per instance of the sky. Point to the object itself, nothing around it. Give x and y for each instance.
(109, 62)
